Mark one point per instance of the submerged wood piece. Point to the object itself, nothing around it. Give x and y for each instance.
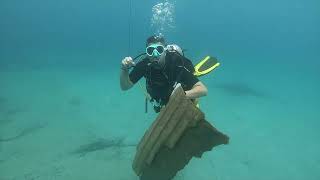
(179, 114)
(193, 143)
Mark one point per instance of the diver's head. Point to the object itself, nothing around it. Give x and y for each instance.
(155, 49)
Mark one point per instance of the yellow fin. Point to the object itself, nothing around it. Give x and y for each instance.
(205, 66)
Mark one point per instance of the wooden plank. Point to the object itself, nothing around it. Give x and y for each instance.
(151, 141)
(175, 118)
(179, 114)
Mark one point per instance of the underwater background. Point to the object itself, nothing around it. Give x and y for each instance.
(63, 115)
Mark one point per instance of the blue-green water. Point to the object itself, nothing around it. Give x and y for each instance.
(59, 86)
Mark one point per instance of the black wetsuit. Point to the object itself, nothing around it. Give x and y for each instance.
(160, 81)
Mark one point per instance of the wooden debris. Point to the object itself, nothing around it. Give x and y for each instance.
(179, 133)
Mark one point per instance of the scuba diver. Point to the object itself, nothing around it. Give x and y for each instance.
(165, 68)
(170, 143)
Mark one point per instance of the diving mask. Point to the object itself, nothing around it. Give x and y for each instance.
(155, 50)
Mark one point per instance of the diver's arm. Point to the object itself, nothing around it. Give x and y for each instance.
(198, 90)
(125, 82)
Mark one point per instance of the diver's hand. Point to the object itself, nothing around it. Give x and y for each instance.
(127, 63)
(175, 88)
